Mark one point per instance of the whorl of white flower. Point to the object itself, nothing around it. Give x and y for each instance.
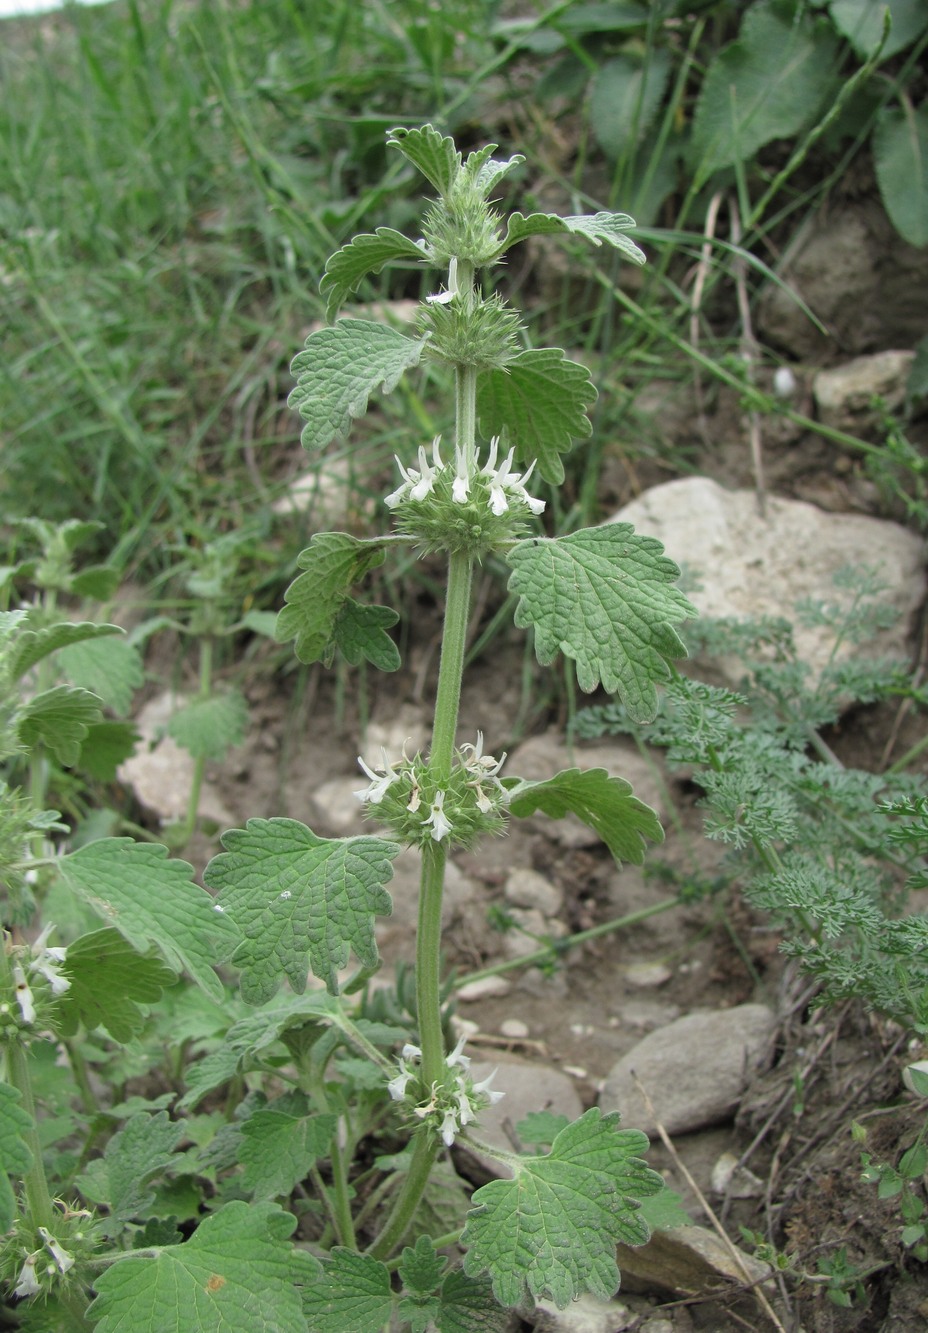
(483, 1089)
(460, 488)
(457, 1058)
(23, 994)
(443, 298)
(380, 779)
(484, 768)
(441, 824)
(449, 1127)
(417, 482)
(506, 485)
(47, 961)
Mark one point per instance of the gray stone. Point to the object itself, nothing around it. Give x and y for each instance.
(647, 976)
(750, 566)
(844, 394)
(526, 888)
(529, 932)
(161, 772)
(486, 988)
(528, 1087)
(514, 1028)
(586, 1315)
(694, 1070)
(687, 1261)
(337, 807)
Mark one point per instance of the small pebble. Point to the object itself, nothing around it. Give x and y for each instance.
(486, 988)
(514, 1028)
(648, 976)
(575, 1071)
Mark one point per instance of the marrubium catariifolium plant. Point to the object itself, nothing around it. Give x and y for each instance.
(284, 904)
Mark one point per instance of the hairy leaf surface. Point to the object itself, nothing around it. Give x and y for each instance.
(552, 1230)
(367, 253)
(110, 667)
(300, 900)
(605, 803)
(207, 728)
(602, 597)
(539, 402)
(332, 562)
(354, 1292)
(15, 1153)
(431, 153)
(338, 370)
(599, 228)
(60, 719)
(109, 980)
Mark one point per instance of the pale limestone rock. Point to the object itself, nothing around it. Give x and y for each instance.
(486, 988)
(647, 976)
(161, 772)
(527, 1087)
(514, 1029)
(750, 566)
(694, 1070)
(687, 1261)
(526, 888)
(586, 1315)
(843, 394)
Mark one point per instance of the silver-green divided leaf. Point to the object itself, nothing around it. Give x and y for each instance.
(603, 597)
(552, 1230)
(604, 803)
(431, 153)
(338, 370)
(300, 901)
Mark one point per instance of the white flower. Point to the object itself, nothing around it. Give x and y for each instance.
(28, 1286)
(439, 821)
(417, 483)
(465, 1110)
(460, 488)
(380, 781)
(397, 1086)
(411, 1052)
(23, 994)
(47, 962)
(483, 1089)
(443, 298)
(449, 1127)
(506, 484)
(485, 769)
(60, 1256)
(456, 1057)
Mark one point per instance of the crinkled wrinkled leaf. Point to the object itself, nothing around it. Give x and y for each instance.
(32, 645)
(281, 1143)
(109, 667)
(610, 228)
(467, 1305)
(431, 153)
(900, 155)
(153, 901)
(238, 1273)
(766, 85)
(552, 1230)
(60, 719)
(250, 1036)
(353, 1293)
(145, 1146)
(207, 728)
(605, 803)
(109, 980)
(300, 901)
(15, 1154)
(338, 370)
(333, 562)
(602, 596)
(368, 253)
(539, 402)
(361, 632)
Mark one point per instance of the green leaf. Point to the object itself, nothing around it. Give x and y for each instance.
(111, 668)
(105, 747)
(15, 1154)
(595, 227)
(280, 1145)
(664, 1211)
(361, 632)
(250, 1036)
(145, 1146)
(487, 171)
(96, 582)
(539, 401)
(541, 1127)
(338, 370)
(421, 1268)
(368, 253)
(431, 153)
(353, 1293)
(153, 901)
(333, 562)
(601, 597)
(861, 22)
(553, 1229)
(32, 645)
(900, 155)
(605, 803)
(766, 85)
(293, 894)
(207, 728)
(625, 99)
(60, 719)
(109, 980)
(467, 1305)
(236, 1274)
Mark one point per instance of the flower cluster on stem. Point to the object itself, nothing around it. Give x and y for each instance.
(448, 1107)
